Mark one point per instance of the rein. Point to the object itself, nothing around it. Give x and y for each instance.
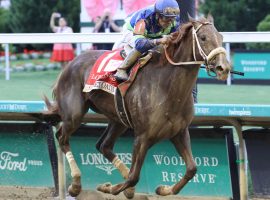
(195, 42)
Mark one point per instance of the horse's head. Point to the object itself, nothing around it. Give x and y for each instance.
(206, 47)
(207, 44)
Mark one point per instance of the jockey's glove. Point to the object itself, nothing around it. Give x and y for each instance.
(165, 40)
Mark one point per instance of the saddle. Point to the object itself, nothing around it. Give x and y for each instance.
(101, 78)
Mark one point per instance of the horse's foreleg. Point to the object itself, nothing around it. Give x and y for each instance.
(183, 147)
(105, 146)
(138, 156)
(106, 143)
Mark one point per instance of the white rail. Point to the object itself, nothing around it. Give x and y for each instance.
(78, 38)
(48, 38)
(246, 37)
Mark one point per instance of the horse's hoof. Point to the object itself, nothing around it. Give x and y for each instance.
(74, 190)
(129, 192)
(116, 189)
(164, 190)
(105, 187)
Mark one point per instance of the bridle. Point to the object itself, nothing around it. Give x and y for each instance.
(206, 58)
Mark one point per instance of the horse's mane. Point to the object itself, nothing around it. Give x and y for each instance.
(182, 31)
(181, 34)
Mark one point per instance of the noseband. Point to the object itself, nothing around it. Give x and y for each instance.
(195, 42)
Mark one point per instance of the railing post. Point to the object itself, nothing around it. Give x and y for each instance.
(242, 160)
(78, 49)
(228, 53)
(61, 175)
(7, 62)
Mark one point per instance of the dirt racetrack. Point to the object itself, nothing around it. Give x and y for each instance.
(27, 193)
(93, 195)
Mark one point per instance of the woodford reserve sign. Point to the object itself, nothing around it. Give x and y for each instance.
(162, 165)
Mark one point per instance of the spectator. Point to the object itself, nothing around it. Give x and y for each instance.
(105, 24)
(61, 52)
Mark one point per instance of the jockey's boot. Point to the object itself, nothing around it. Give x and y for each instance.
(121, 74)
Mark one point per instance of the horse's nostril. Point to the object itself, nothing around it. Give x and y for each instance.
(219, 68)
(222, 69)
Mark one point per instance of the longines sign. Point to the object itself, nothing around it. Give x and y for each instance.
(162, 166)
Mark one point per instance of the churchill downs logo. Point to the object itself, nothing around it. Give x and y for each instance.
(10, 161)
(100, 162)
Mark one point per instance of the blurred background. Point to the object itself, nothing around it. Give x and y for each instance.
(31, 64)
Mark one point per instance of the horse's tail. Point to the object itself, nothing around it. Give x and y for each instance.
(51, 115)
(52, 107)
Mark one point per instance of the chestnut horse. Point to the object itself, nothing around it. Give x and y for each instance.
(159, 103)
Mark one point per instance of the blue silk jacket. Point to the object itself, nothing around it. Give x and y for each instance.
(144, 25)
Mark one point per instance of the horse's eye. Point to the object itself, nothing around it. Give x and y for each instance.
(203, 38)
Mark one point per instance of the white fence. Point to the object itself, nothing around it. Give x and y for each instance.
(47, 38)
(79, 38)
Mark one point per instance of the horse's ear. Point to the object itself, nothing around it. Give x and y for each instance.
(192, 20)
(210, 18)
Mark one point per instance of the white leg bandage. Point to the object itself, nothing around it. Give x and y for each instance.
(124, 170)
(69, 156)
(75, 171)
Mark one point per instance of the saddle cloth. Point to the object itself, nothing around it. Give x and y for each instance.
(101, 76)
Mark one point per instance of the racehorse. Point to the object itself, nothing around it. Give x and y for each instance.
(159, 103)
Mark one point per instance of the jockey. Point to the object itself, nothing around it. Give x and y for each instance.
(146, 29)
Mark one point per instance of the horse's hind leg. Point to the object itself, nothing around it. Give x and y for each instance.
(75, 188)
(72, 114)
(105, 146)
(183, 147)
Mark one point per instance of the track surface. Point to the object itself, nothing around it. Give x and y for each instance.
(27, 193)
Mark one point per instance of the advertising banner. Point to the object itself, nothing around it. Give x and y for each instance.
(24, 156)
(162, 165)
(254, 65)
